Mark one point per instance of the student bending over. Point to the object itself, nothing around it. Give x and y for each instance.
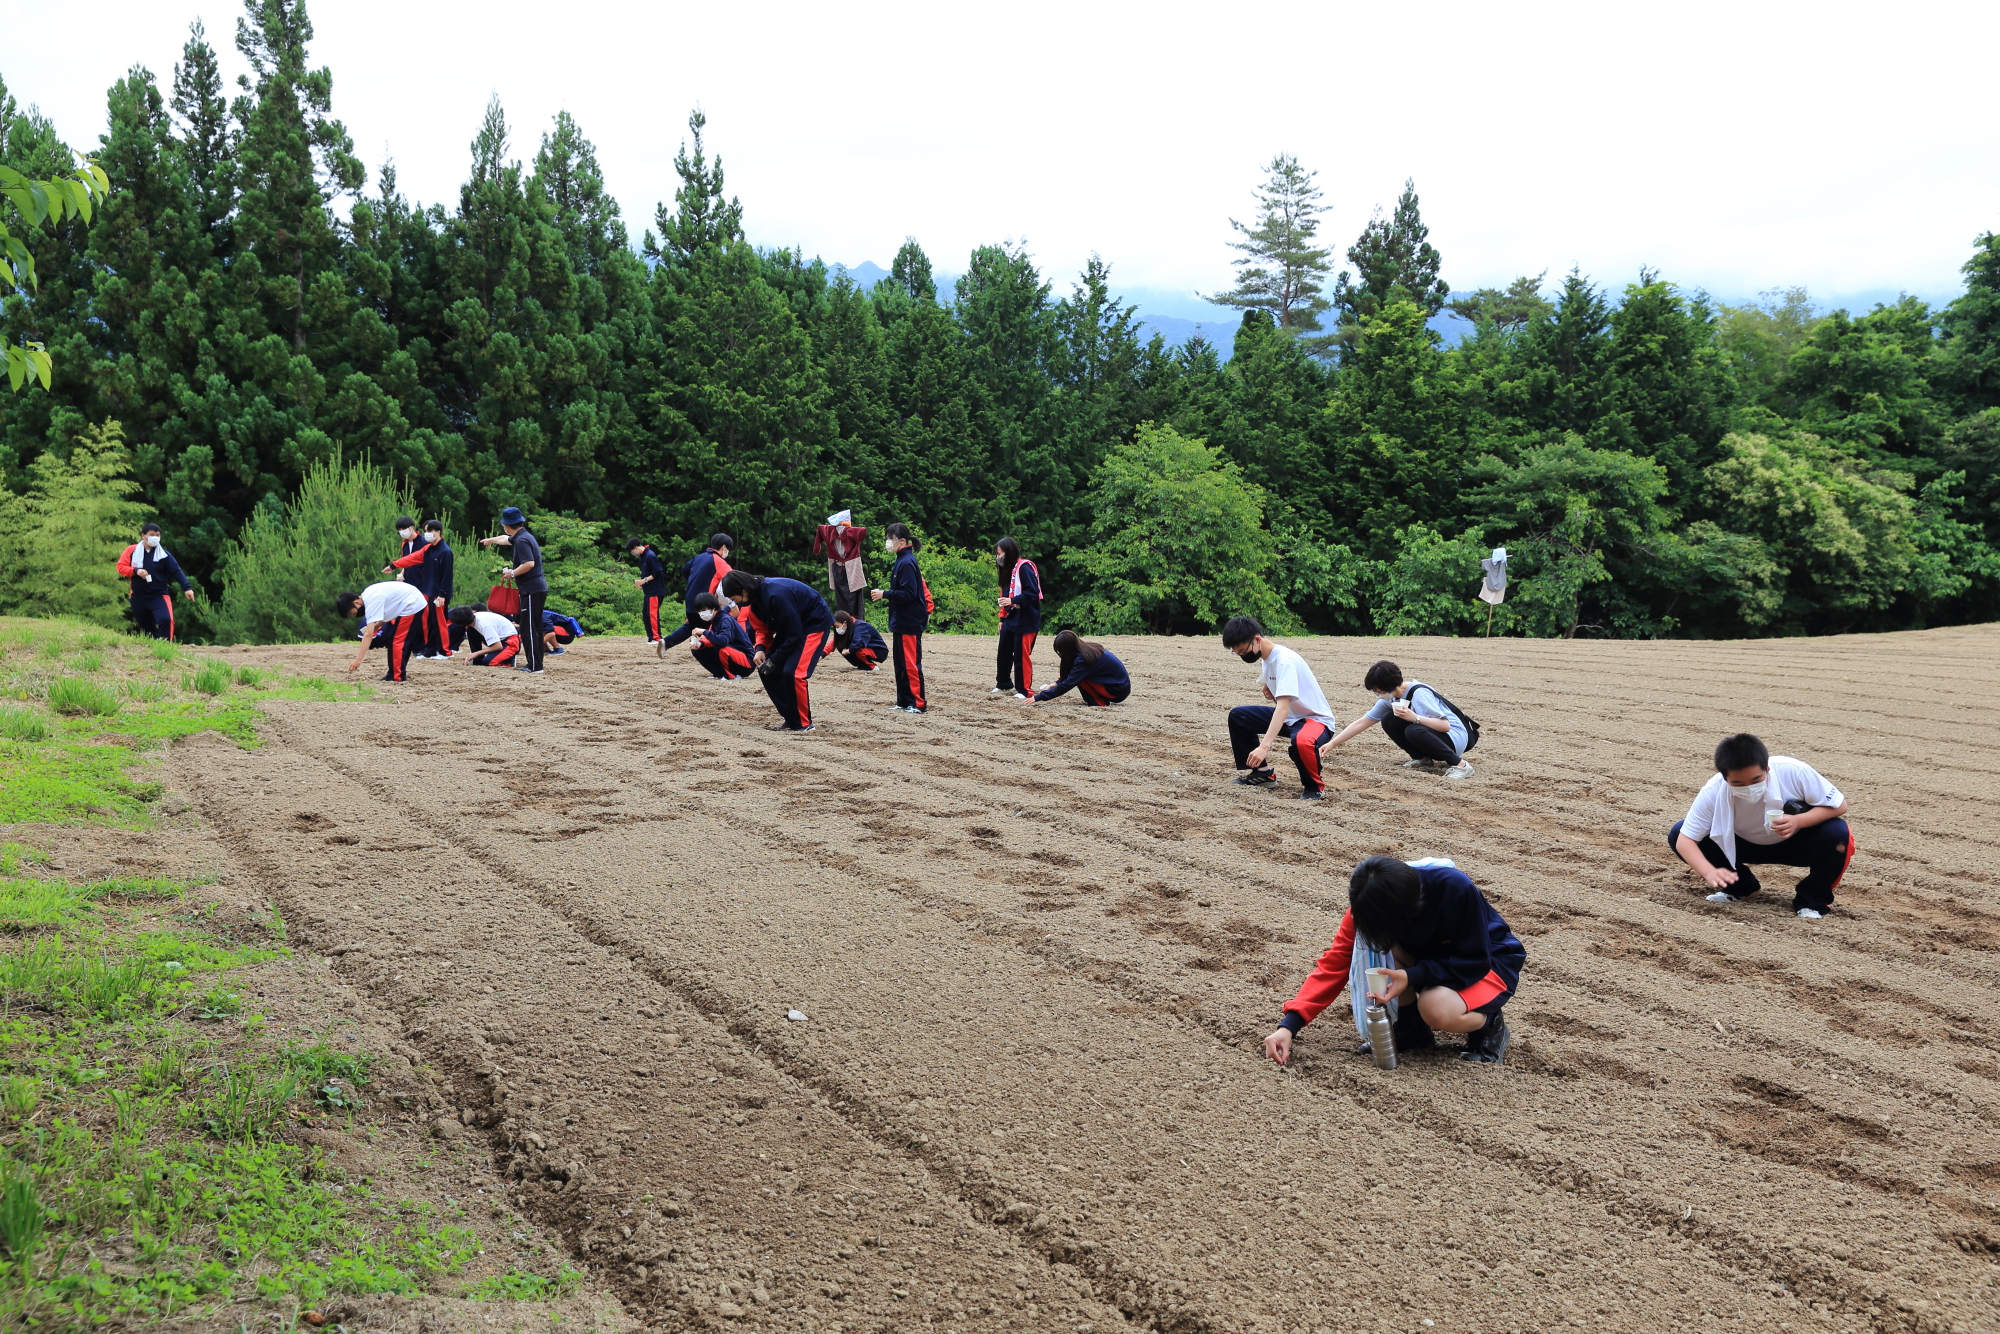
(1760, 807)
(499, 638)
(857, 641)
(1449, 949)
(1424, 723)
(721, 644)
(789, 621)
(1094, 670)
(558, 629)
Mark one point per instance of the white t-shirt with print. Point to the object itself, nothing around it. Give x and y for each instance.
(1285, 673)
(389, 602)
(493, 627)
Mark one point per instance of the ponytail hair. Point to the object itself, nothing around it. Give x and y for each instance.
(901, 531)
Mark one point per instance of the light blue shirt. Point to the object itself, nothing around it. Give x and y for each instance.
(1423, 702)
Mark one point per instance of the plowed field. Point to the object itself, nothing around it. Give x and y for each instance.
(1037, 949)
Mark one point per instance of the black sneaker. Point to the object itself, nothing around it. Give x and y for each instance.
(1258, 778)
(1489, 1044)
(1312, 795)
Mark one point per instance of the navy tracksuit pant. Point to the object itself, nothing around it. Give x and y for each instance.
(1015, 665)
(785, 680)
(1825, 848)
(1246, 729)
(907, 651)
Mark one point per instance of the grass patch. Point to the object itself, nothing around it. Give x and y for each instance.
(22, 725)
(75, 696)
(212, 678)
(515, 1286)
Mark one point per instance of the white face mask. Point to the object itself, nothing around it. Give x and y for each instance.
(706, 615)
(1749, 791)
(433, 537)
(152, 540)
(889, 544)
(406, 533)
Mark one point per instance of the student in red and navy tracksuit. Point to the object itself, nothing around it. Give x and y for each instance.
(722, 645)
(151, 568)
(1020, 620)
(857, 641)
(652, 586)
(1450, 950)
(428, 568)
(790, 621)
(703, 574)
(499, 638)
(394, 608)
(558, 629)
(1091, 668)
(909, 602)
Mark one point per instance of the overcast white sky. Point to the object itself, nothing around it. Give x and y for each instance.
(1737, 146)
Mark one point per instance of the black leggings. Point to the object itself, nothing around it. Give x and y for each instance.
(1420, 742)
(530, 621)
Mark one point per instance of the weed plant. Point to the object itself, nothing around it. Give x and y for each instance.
(75, 696)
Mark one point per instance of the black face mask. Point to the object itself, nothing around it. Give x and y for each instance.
(1248, 655)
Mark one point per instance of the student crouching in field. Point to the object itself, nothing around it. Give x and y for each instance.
(790, 620)
(703, 573)
(1428, 727)
(909, 600)
(721, 644)
(499, 638)
(1441, 942)
(857, 641)
(1020, 620)
(393, 607)
(1297, 709)
(1760, 808)
(1091, 669)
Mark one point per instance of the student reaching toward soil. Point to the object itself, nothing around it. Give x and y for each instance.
(1449, 948)
(1089, 668)
(1020, 620)
(909, 600)
(722, 646)
(790, 620)
(1297, 709)
(499, 638)
(703, 573)
(857, 641)
(1767, 809)
(391, 606)
(1432, 732)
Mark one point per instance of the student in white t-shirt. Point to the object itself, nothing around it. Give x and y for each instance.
(499, 638)
(1298, 709)
(1416, 718)
(1765, 809)
(393, 607)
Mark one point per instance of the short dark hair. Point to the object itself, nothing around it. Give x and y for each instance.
(145, 528)
(459, 616)
(405, 522)
(707, 602)
(631, 542)
(1384, 894)
(345, 604)
(1741, 751)
(1240, 630)
(741, 582)
(722, 540)
(433, 525)
(1384, 675)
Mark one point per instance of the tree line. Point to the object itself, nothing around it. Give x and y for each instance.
(245, 309)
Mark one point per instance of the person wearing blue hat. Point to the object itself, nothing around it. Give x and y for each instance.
(530, 577)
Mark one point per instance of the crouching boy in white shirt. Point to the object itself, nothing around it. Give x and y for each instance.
(1767, 809)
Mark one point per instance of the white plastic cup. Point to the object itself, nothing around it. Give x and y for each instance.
(1378, 981)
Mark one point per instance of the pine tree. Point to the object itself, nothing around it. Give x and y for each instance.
(1282, 271)
(1393, 260)
(911, 271)
(207, 141)
(700, 219)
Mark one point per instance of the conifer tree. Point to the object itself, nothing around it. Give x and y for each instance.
(1393, 260)
(1281, 270)
(701, 219)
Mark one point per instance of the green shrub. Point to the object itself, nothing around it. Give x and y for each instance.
(249, 676)
(75, 696)
(586, 580)
(965, 586)
(22, 725)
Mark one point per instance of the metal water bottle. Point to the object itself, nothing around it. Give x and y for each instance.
(1381, 1036)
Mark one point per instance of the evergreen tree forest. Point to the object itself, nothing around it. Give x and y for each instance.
(250, 306)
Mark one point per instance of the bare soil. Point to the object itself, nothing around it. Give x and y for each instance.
(1037, 950)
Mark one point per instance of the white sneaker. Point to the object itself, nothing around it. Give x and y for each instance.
(999, 690)
(1459, 770)
(1019, 695)
(1810, 914)
(1414, 764)
(1723, 896)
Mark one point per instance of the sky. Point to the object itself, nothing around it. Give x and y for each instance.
(1733, 147)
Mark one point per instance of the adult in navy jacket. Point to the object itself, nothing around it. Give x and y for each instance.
(1089, 668)
(705, 574)
(151, 568)
(652, 586)
(790, 621)
(909, 616)
(1020, 620)
(722, 645)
